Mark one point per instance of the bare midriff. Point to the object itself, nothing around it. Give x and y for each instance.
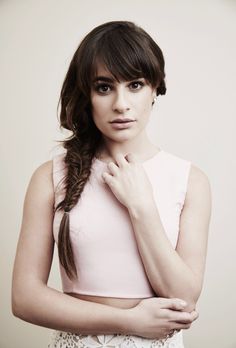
(110, 301)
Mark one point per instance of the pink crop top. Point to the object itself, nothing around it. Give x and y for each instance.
(104, 246)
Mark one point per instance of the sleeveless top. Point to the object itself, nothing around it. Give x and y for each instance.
(103, 242)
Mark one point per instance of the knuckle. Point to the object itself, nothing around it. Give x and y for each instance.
(187, 318)
(112, 166)
(168, 315)
(175, 301)
(168, 326)
(174, 304)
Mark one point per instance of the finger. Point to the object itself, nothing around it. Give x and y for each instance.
(179, 326)
(107, 178)
(172, 303)
(195, 315)
(131, 158)
(113, 168)
(120, 159)
(182, 317)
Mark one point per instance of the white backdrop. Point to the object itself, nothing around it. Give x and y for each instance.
(195, 120)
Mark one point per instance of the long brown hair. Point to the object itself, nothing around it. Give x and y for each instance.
(128, 52)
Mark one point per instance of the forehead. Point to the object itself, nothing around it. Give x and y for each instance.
(102, 73)
(101, 69)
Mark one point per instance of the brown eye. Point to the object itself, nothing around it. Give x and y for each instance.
(102, 88)
(137, 85)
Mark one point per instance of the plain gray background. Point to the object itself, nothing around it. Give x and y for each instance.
(195, 120)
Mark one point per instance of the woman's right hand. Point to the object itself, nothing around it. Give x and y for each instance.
(157, 317)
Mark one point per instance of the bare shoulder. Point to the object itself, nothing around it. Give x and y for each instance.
(40, 189)
(44, 171)
(198, 177)
(198, 185)
(41, 179)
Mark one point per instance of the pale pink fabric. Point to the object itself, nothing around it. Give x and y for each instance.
(105, 250)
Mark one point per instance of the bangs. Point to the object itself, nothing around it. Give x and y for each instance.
(126, 58)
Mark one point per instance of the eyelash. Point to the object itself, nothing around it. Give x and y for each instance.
(107, 85)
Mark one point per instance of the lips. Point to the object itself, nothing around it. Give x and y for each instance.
(122, 120)
(122, 124)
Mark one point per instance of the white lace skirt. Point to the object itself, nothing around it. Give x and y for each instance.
(62, 339)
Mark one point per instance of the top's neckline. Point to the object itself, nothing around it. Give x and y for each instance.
(143, 162)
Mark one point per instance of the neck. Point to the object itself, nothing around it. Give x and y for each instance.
(141, 146)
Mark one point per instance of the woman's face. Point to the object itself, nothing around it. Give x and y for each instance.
(125, 99)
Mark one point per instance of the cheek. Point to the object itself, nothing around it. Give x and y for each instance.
(99, 111)
(95, 104)
(97, 107)
(99, 102)
(145, 104)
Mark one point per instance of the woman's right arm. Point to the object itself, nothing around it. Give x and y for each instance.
(35, 302)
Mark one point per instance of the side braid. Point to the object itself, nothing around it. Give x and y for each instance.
(78, 161)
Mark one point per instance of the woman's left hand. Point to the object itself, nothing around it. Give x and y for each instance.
(128, 181)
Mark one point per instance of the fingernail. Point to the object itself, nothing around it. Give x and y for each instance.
(183, 303)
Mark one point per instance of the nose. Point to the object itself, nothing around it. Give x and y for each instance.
(120, 103)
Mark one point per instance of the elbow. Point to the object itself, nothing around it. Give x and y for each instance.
(21, 305)
(191, 305)
(189, 294)
(14, 303)
(26, 302)
(17, 298)
(16, 311)
(191, 298)
(18, 307)
(24, 310)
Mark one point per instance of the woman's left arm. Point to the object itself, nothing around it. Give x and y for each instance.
(176, 272)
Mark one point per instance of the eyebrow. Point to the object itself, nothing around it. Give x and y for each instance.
(104, 78)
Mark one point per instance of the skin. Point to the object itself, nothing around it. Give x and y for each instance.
(124, 99)
(34, 301)
(172, 273)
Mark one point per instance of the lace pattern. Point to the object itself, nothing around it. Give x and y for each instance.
(62, 339)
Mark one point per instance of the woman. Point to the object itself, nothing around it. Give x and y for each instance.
(130, 219)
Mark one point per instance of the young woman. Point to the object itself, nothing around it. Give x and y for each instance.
(130, 220)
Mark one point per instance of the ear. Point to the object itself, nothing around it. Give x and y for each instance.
(154, 93)
(154, 97)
